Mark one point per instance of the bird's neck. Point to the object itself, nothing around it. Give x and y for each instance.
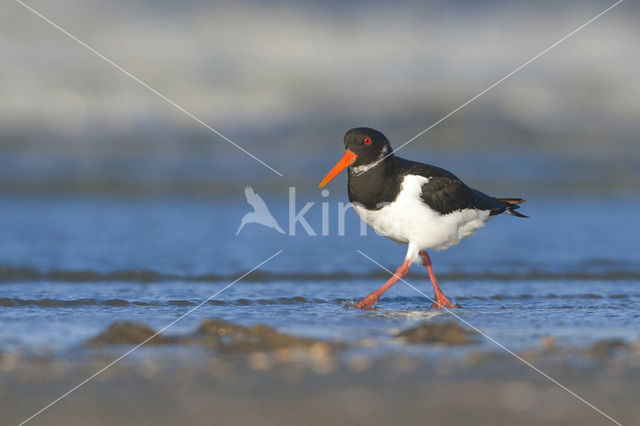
(374, 185)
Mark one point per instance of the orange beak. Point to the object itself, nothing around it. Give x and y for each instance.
(347, 159)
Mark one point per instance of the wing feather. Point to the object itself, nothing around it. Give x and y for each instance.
(447, 194)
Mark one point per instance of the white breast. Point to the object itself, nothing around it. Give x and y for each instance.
(409, 220)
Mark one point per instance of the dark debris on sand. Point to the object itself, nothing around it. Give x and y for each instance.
(128, 333)
(259, 337)
(216, 333)
(447, 333)
(608, 348)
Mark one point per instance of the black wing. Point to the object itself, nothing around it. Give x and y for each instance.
(446, 193)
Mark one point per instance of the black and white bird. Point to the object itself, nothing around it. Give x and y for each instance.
(412, 203)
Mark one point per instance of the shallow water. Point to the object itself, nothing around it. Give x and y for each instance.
(70, 266)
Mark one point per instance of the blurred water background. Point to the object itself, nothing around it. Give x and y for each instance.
(287, 79)
(115, 205)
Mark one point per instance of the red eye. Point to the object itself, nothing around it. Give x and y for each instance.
(367, 140)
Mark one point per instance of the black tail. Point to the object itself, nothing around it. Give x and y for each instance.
(511, 205)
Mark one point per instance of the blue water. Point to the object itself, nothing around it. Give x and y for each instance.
(70, 266)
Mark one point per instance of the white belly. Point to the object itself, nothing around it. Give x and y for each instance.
(409, 220)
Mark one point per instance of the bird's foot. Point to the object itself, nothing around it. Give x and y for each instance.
(368, 302)
(441, 301)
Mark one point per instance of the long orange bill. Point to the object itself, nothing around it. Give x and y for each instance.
(347, 159)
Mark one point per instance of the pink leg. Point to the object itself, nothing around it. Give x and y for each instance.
(440, 300)
(372, 298)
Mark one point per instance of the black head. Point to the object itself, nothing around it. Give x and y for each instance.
(368, 144)
(364, 148)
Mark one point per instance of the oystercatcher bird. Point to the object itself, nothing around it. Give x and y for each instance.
(412, 203)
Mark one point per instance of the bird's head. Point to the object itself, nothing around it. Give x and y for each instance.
(364, 148)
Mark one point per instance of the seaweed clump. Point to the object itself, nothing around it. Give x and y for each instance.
(222, 335)
(447, 333)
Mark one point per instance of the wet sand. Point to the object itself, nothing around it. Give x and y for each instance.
(223, 373)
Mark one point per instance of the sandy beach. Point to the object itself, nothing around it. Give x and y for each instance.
(227, 374)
